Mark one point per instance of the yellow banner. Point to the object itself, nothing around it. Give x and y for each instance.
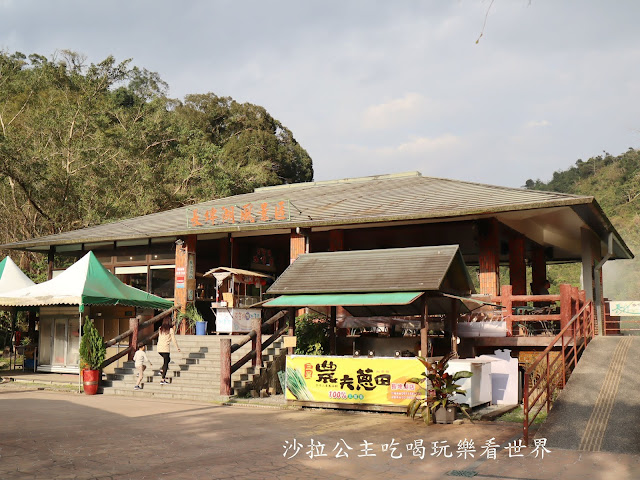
(362, 380)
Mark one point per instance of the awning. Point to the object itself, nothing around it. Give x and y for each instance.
(344, 299)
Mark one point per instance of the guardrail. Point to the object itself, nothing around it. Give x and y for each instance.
(132, 335)
(255, 336)
(550, 370)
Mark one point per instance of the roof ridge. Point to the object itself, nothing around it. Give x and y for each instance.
(340, 180)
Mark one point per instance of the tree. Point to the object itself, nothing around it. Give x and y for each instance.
(85, 144)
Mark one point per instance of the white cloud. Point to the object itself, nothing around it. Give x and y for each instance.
(418, 146)
(538, 123)
(394, 112)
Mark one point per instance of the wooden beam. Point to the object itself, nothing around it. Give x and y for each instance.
(517, 265)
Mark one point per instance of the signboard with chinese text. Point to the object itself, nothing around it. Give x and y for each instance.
(236, 319)
(263, 212)
(355, 380)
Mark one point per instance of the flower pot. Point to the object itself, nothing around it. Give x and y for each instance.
(90, 381)
(201, 328)
(445, 414)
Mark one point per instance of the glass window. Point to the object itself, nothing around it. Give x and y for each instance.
(137, 280)
(162, 282)
(163, 256)
(142, 257)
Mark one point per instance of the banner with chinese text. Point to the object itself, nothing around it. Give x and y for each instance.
(362, 380)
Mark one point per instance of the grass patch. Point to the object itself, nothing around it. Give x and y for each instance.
(517, 416)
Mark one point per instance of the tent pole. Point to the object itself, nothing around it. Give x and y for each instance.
(79, 361)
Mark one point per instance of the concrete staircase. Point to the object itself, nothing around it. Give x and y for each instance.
(194, 373)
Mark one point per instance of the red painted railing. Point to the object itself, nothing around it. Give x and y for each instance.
(550, 370)
(570, 297)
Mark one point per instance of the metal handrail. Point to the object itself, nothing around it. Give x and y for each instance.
(582, 329)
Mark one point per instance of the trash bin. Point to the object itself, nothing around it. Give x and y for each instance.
(201, 328)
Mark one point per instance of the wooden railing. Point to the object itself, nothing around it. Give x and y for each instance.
(255, 336)
(550, 370)
(569, 298)
(132, 335)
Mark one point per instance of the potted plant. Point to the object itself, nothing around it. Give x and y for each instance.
(194, 319)
(92, 352)
(435, 398)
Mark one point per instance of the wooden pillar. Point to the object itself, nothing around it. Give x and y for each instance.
(256, 343)
(291, 314)
(489, 256)
(185, 275)
(332, 331)
(538, 269)
(453, 317)
(225, 366)
(133, 339)
(565, 305)
(582, 299)
(50, 258)
(299, 244)
(336, 240)
(235, 252)
(225, 258)
(507, 311)
(336, 244)
(424, 329)
(517, 266)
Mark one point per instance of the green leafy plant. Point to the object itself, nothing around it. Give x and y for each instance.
(312, 334)
(438, 391)
(92, 350)
(191, 315)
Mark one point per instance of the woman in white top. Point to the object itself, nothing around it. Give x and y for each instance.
(166, 336)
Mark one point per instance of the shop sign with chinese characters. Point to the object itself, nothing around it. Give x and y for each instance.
(263, 212)
(360, 380)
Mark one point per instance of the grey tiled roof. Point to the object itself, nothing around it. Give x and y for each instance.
(341, 202)
(388, 270)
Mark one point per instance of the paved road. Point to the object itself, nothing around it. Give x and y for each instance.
(54, 435)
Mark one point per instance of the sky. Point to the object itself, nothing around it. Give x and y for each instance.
(486, 91)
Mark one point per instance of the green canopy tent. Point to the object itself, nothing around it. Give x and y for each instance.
(86, 282)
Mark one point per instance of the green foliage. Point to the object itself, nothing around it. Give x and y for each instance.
(615, 183)
(191, 315)
(312, 334)
(92, 350)
(81, 145)
(439, 391)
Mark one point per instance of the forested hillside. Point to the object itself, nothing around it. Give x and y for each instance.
(615, 183)
(83, 144)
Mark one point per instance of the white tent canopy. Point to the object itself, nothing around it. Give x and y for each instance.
(11, 277)
(86, 282)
